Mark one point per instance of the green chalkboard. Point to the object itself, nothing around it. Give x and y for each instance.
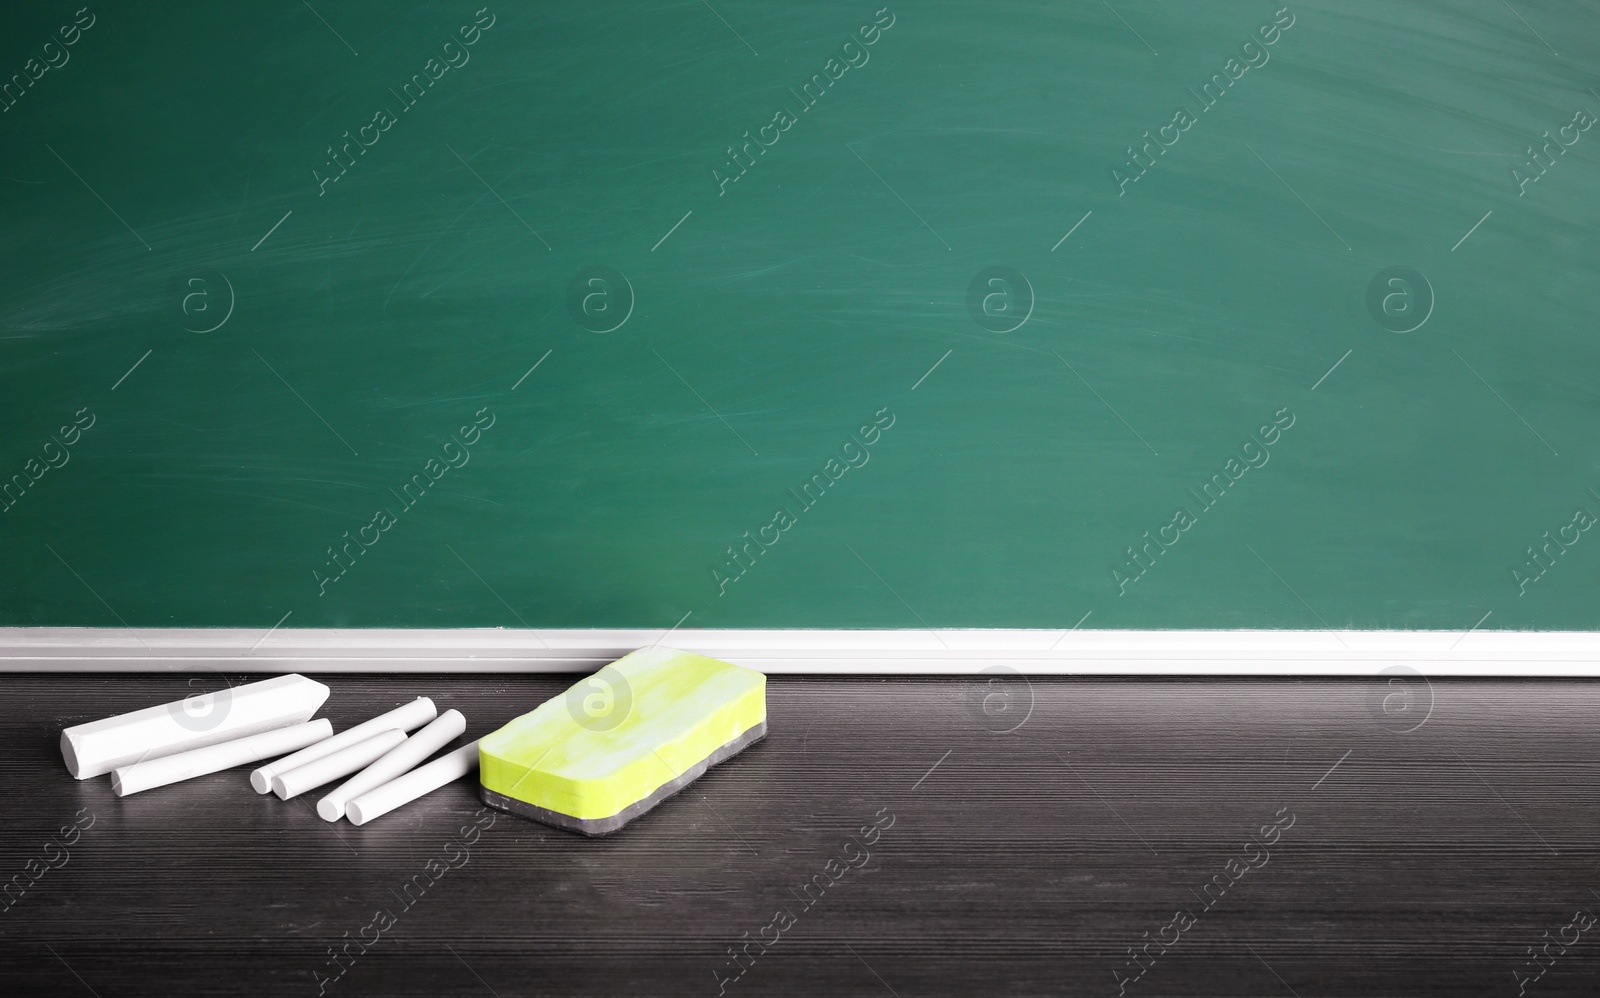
(801, 315)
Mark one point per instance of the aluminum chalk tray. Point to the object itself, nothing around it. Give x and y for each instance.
(623, 740)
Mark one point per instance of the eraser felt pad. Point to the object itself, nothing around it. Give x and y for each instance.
(681, 714)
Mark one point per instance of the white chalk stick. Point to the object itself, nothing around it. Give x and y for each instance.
(417, 783)
(152, 773)
(337, 765)
(399, 761)
(98, 747)
(413, 715)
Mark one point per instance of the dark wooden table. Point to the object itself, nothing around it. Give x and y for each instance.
(1018, 862)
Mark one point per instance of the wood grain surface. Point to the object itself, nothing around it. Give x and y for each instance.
(1019, 862)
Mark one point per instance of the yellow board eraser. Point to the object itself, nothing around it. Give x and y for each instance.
(623, 740)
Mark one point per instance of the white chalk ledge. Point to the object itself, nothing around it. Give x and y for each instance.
(1479, 654)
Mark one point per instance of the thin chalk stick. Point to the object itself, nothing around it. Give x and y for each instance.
(399, 761)
(413, 715)
(336, 766)
(417, 783)
(151, 773)
(98, 747)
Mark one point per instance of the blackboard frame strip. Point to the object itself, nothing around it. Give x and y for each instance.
(1477, 654)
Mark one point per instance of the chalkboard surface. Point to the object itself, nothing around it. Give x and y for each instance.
(1139, 315)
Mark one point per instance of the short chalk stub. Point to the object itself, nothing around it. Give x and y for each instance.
(622, 741)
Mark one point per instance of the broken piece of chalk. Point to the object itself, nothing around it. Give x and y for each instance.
(419, 782)
(98, 747)
(412, 715)
(395, 763)
(623, 740)
(151, 773)
(336, 765)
